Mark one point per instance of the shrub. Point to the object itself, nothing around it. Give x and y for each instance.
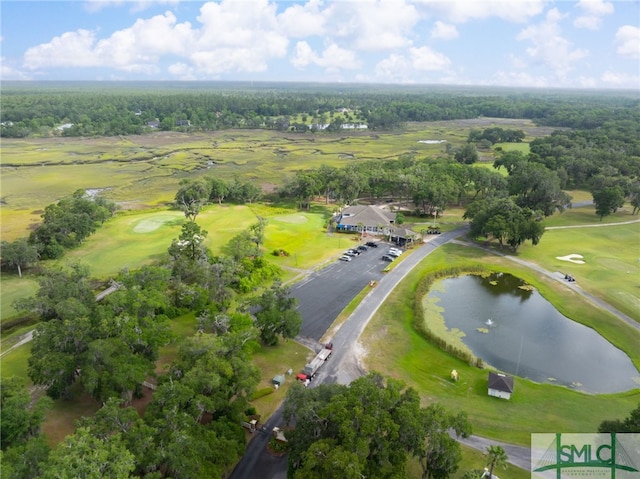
(261, 393)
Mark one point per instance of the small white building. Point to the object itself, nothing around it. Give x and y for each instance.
(500, 385)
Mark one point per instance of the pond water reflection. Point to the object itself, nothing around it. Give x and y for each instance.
(519, 332)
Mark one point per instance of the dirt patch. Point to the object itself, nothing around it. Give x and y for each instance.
(140, 404)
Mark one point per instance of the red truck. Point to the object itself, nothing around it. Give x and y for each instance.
(316, 363)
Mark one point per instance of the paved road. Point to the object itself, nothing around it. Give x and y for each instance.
(325, 293)
(318, 314)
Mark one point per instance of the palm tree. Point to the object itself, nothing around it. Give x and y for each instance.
(497, 458)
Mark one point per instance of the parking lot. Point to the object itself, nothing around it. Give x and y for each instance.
(325, 293)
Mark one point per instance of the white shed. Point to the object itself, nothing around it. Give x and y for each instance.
(500, 385)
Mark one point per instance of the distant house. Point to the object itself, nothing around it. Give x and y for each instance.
(500, 385)
(66, 126)
(371, 219)
(153, 124)
(183, 123)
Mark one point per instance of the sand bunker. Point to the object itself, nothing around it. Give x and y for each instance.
(574, 258)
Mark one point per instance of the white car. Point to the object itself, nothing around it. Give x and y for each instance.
(396, 250)
(394, 253)
(345, 258)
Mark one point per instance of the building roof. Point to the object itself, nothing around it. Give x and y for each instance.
(367, 215)
(403, 233)
(500, 382)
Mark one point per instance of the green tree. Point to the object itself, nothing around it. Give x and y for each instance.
(191, 196)
(56, 353)
(20, 421)
(111, 369)
(18, 254)
(190, 242)
(505, 221)
(607, 200)
(256, 230)
(62, 293)
(369, 428)
(277, 315)
(628, 424)
(26, 460)
(219, 189)
(84, 455)
(496, 457)
(538, 188)
(467, 154)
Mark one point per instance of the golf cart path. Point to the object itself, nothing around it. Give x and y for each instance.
(592, 225)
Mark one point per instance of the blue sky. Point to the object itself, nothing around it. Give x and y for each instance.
(533, 43)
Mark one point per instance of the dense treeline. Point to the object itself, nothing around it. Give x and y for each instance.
(126, 109)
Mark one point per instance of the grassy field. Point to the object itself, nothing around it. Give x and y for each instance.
(144, 171)
(401, 352)
(611, 255)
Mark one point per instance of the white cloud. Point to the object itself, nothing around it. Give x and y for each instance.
(231, 37)
(444, 31)
(304, 20)
(620, 80)
(425, 59)
(593, 11)
(628, 41)
(374, 25)
(332, 59)
(518, 79)
(136, 5)
(7, 72)
(182, 71)
(410, 69)
(549, 47)
(596, 7)
(395, 68)
(459, 11)
(236, 38)
(71, 49)
(135, 49)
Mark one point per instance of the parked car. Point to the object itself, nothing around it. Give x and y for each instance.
(355, 251)
(396, 250)
(372, 244)
(344, 257)
(362, 248)
(388, 258)
(350, 253)
(395, 254)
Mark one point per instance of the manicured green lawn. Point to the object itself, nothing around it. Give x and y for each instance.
(14, 287)
(611, 255)
(401, 352)
(15, 363)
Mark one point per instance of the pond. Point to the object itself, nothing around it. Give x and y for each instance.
(519, 332)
